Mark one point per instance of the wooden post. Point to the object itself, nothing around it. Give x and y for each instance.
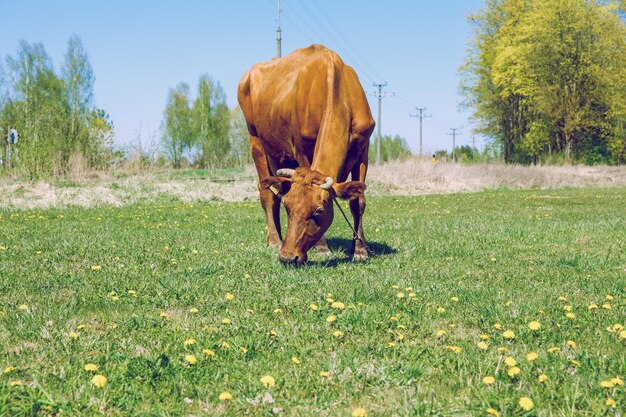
(9, 147)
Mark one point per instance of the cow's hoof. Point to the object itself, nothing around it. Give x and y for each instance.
(360, 256)
(324, 252)
(272, 244)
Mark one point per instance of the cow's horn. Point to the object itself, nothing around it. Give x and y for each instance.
(328, 184)
(285, 172)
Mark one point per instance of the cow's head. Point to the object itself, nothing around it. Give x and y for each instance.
(308, 197)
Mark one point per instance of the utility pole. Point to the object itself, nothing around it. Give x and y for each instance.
(380, 95)
(454, 134)
(278, 34)
(421, 116)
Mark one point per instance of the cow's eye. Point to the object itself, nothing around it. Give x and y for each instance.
(319, 211)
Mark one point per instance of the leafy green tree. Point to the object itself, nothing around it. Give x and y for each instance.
(239, 138)
(547, 77)
(79, 80)
(210, 123)
(391, 148)
(178, 136)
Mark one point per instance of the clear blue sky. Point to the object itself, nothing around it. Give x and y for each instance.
(139, 49)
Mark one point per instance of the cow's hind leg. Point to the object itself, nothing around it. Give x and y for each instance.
(269, 201)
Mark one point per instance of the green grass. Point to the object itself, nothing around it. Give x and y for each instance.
(507, 255)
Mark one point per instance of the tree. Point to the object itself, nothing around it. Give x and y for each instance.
(391, 148)
(79, 80)
(211, 123)
(547, 77)
(177, 130)
(239, 138)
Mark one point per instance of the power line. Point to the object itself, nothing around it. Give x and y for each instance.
(454, 134)
(278, 34)
(421, 115)
(380, 95)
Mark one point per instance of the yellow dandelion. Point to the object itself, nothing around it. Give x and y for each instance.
(609, 297)
(190, 341)
(592, 306)
(493, 412)
(337, 334)
(571, 344)
(338, 305)
(493, 259)
(532, 356)
(400, 295)
(16, 383)
(226, 321)
(229, 296)
(441, 310)
(359, 412)
(96, 267)
(90, 367)
(576, 363)
(272, 333)
(526, 403)
(412, 295)
(99, 381)
(209, 353)
(553, 349)
(607, 306)
(441, 333)
(393, 318)
(455, 349)
(278, 310)
(22, 307)
(482, 345)
(508, 334)
(622, 334)
(8, 370)
(314, 307)
(510, 361)
(484, 337)
(497, 326)
(502, 349)
(570, 316)
(534, 325)
(610, 403)
(562, 299)
(567, 308)
(617, 381)
(607, 384)
(331, 319)
(268, 381)
(514, 371)
(455, 299)
(163, 315)
(543, 378)
(489, 380)
(324, 374)
(508, 303)
(132, 293)
(73, 335)
(225, 396)
(225, 345)
(296, 360)
(391, 344)
(330, 300)
(191, 359)
(193, 310)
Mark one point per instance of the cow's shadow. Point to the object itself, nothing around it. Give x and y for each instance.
(341, 249)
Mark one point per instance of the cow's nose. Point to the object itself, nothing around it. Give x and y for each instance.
(290, 259)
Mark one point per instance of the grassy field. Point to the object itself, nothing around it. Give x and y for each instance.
(177, 304)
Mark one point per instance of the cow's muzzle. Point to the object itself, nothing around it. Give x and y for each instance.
(294, 260)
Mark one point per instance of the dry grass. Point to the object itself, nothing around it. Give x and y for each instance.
(411, 177)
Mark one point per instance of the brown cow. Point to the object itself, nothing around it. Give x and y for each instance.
(309, 124)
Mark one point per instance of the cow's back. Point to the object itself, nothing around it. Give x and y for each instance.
(285, 101)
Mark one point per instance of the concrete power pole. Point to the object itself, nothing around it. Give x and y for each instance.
(278, 34)
(421, 116)
(454, 134)
(380, 95)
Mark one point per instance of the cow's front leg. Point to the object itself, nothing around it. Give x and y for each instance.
(269, 201)
(359, 250)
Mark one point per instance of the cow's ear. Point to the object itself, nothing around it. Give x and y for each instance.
(278, 185)
(349, 190)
